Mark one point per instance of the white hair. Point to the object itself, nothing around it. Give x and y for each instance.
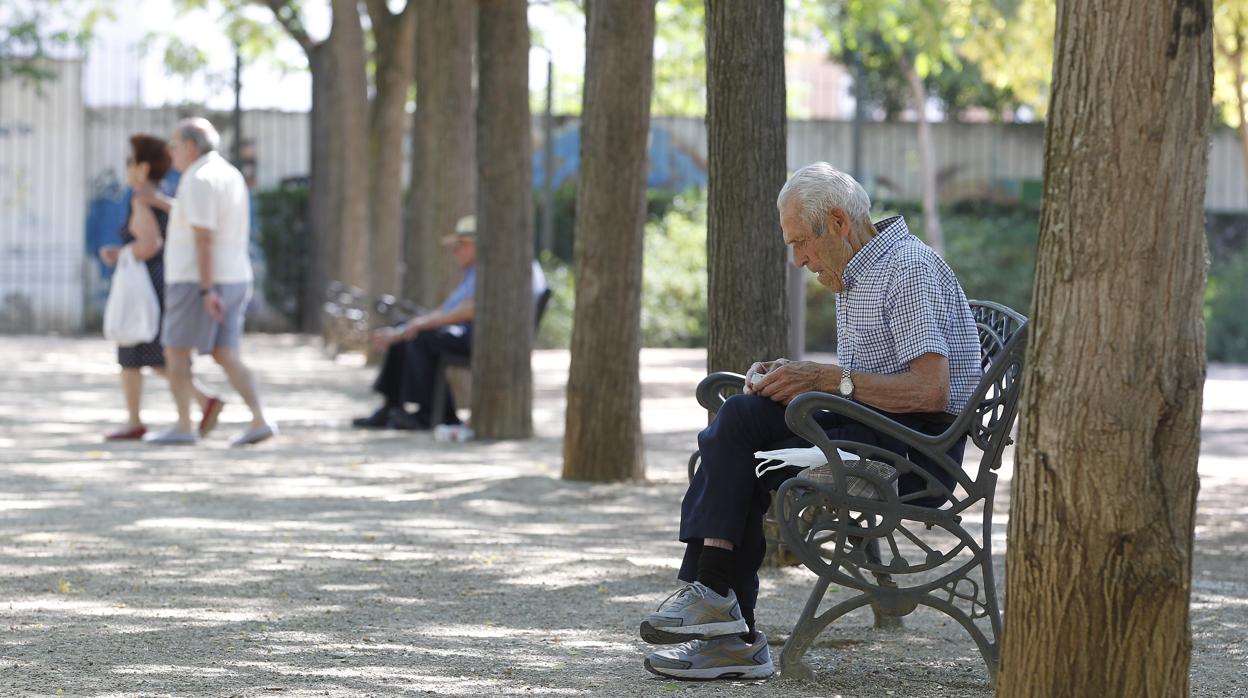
(201, 132)
(818, 188)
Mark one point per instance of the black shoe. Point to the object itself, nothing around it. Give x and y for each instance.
(376, 420)
(402, 419)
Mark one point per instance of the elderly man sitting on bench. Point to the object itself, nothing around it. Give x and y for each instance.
(906, 346)
(415, 348)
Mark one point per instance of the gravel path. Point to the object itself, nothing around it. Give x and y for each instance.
(337, 563)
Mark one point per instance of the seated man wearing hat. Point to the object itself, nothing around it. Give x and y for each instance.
(415, 348)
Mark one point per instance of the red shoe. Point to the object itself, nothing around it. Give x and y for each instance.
(212, 410)
(129, 434)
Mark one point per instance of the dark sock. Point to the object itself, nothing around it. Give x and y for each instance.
(751, 635)
(716, 568)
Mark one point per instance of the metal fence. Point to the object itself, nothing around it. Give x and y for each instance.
(62, 192)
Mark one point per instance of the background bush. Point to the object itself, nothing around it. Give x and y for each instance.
(282, 222)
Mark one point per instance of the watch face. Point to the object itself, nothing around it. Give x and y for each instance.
(847, 386)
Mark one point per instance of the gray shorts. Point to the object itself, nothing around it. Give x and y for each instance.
(187, 325)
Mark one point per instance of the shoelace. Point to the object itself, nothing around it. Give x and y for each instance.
(687, 590)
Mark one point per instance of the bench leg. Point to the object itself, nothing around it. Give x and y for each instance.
(808, 627)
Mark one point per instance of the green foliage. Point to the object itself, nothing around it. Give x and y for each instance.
(673, 305)
(282, 219)
(1230, 33)
(32, 32)
(673, 302)
(1226, 295)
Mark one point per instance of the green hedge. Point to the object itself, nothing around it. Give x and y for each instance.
(282, 222)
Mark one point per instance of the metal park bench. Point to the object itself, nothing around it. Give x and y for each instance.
(848, 522)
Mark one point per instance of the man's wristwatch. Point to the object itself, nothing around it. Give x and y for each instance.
(205, 291)
(847, 384)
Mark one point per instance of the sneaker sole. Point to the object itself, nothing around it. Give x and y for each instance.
(705, 631)
(727, 672)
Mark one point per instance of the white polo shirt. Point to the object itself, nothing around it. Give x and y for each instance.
(211, 194)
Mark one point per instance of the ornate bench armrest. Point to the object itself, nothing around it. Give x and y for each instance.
(800, 418)
(710, 390)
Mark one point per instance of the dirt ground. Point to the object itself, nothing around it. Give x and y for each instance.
(331, 562)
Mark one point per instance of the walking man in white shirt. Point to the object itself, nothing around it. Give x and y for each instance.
(208, 278)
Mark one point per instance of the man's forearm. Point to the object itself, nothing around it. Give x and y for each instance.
(900, 392)
(203, 256)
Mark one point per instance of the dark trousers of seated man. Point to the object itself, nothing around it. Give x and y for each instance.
(410, 368)
(726, 500)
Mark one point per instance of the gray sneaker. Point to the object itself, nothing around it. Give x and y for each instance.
(722, 658)
(694, 612)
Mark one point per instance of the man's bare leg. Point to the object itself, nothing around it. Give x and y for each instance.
(181, 384)
(197, 389)
(241, 379)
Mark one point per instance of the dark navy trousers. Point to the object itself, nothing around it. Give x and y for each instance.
(726, 500)
(410, 368)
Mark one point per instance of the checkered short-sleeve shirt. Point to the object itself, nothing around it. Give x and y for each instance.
(902, 301)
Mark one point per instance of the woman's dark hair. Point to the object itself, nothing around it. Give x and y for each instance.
(151, 150)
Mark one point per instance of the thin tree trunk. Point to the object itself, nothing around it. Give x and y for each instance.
(1104, 492)
(603, 435)
(317, 213)
(502, 377)
(1232, 49)
(444, 144)
(927, 161)
(1241, 103)
(394, 56)
(748, 309)
(350, 145)
(322, 240)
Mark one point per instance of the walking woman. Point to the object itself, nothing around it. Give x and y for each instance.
(144, 232)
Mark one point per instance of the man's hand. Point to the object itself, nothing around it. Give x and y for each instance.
(383, 337)
(757, 370)
(792, 378)
(109, 254)
(214, 306)
(150, 196)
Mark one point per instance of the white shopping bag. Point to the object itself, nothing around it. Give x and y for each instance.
(132, 314)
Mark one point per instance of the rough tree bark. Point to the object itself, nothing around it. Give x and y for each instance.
(394, 56)
(502, 378)
(748, 309)
(927, 161)
(603, 435)
(349, 123)
(444, 143)
(1100, 532)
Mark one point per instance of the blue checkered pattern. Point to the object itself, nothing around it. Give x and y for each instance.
(902, 301)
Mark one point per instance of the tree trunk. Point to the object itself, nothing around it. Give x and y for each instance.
(1101, 527)
(350, 145)
(927, 161)
(394, 56)
(1241, 103)
(603, 435)
(444, 142)
(319, 243)
(502, 377)
(748, 309)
